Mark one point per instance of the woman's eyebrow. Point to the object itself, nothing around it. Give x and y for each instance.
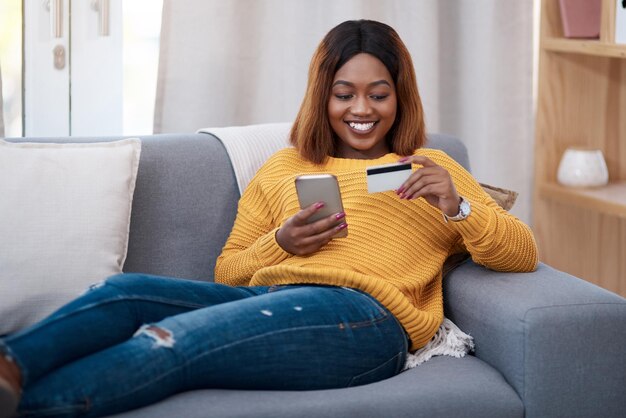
(372, 84)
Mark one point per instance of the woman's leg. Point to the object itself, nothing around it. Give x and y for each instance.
(297, 338)
(107, 314)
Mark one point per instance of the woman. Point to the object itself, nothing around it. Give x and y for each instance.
(293, 307)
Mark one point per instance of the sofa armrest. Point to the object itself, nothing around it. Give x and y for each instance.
(559, 341)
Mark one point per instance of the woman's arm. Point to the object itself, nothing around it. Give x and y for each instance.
(252, 242)
(258, 240)
(493, 237)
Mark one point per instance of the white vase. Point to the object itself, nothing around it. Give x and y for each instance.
(583, 168)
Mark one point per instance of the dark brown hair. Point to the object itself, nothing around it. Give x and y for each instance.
(312, 134)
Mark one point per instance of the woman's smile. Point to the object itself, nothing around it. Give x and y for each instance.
(361, 128)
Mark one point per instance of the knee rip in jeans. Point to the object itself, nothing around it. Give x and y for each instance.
(162, 337)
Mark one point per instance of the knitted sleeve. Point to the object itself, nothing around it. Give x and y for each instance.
(493, 237)
(252, 242)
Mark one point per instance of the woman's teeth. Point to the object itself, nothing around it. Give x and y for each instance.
(361, 126)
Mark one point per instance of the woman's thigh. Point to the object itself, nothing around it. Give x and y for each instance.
(293, 337)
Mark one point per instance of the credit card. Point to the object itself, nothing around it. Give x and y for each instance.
(381, 178)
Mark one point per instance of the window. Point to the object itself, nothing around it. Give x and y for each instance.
(141, 24)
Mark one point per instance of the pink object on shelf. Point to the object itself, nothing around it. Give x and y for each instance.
(581, 18)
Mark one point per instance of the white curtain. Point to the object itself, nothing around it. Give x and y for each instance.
(240, 62)
(1, 109)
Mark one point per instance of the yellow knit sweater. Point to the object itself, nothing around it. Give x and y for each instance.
(395, 248)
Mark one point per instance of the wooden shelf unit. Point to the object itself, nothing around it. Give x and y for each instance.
(581, 102)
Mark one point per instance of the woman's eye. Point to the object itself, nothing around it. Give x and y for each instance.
(343, 96)
(379, 97)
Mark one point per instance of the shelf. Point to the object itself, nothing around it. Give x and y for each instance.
(580, 101)
(586, 47)
(610, 199)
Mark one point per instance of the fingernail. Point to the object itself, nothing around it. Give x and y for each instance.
(319, 205)
(340, 215)
(402, 195)
(404, 159)
(400, 190)
(342, 226)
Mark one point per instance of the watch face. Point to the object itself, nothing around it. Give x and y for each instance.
(464, 208)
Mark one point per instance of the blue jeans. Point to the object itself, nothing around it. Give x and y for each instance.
(137, 339)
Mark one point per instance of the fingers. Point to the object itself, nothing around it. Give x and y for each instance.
(324, 237)
(303, 215)
(298, 244)
(321, 225)
(419, 159)
(432, 182)
(429, 173)
(426, 180)
(298, 237)
(426, 187)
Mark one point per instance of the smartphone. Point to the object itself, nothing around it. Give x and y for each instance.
(315, 188)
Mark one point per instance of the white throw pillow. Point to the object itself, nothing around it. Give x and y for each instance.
(64, 222)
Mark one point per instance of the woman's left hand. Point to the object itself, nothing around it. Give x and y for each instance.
(433, 183)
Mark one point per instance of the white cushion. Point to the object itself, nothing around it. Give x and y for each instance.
(64, 222)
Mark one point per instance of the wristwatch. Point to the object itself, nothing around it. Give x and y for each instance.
(464, 210)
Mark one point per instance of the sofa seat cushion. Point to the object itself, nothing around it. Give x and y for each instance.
(442, 387)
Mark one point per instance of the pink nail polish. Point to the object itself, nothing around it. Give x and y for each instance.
(319, 205)
(400, 190)
(342, 226)
(340, 215)
(404, 159)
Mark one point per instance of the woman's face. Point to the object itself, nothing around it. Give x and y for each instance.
(362, 107)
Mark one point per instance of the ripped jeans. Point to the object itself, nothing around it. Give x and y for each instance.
(138, 339)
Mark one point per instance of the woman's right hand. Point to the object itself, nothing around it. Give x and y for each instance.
(298, 237)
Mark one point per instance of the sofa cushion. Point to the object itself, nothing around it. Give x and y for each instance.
(442, 387)
(503, 197)
(65, 215)
(184, 207)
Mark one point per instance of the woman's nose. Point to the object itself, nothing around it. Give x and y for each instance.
(360, 106)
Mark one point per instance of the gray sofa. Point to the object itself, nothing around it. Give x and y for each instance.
(547, 344)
